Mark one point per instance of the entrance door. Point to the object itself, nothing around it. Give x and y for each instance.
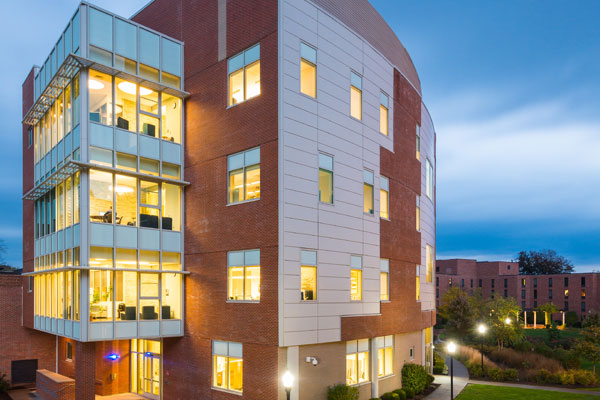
(151, 376)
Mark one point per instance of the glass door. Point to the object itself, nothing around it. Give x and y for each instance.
(146, 368)
(151, 376)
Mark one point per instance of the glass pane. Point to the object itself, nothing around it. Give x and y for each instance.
(355, 284)
(148, 166)
(171, 118)
(252, 187)
(126, 199)
(171, 57)
(220, 372)
(308, 283)
(149, 48)
(100, 29)
(76, 116)
(68, 110)
(60, 206)
(384, 204)
(252, 80)
(171, 296)
(101, 257)
(383, 120)
(252, 283)
(368, 199)
(236, 87)
(236, 185)
(381, 362)
(125, 40)
(308, 53)
(235, 287)
(170, 80)
(149, 193)
(126, 161)
(148, 100)
(149, 309)
(171, 261)
(126, 105)
(148, 73)
(102, 56)
(149, 217)
(100, 295)
(76, 32)
(384, 286)
(149, 125)
(363, 367)
(126, 258)
(355, 103)
(125, 64)
(308, 78)
(149, 259)
(61, 118)
(325, 186)
(101, 197)
(236, 374)
(148, 285)
(101, 156)
(170, 171)
(351, 372)
(125, 296)
(389, 360)
(100, 86)
(171, 210)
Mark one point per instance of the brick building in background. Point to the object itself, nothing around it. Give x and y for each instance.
(218, 191)
(576, 292)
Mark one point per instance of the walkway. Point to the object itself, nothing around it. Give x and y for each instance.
(461, 377)
(549, 388)
(122, 396)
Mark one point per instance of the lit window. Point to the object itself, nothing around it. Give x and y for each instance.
(243, 275)
(429, 262)
(428, 335)
(384, 280)
(171, 296)
(566, 293)
(418, 287)
(244, 75)
(171, 207)
(100, 295)
(149, 112)
(384, 197)
(308, 275)
(171, 118)
(244, 176)
(368, 191)
(69, 351)
(149, 204)
(126, 200)
(355, 278)
(126, 105)
(583, 293)
(355, 96)
(418, 216)
(383, 113)
(429, 180)
(228, 365)
(101, 198)
(126, 294)
(357, 361)
(325, 178)
(418, 142)
(100, 88)
(385, 355)
(308, 70)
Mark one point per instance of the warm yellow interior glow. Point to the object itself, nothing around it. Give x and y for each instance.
(355, 284)
(355, 102)
(308, 78)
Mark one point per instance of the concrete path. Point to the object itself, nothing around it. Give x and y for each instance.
(549, 388)
(461, 377)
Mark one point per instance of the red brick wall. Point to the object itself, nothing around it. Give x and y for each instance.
(18, 342)
(212, 227)
(85, 371)
(52, 387)
(66, 368)
(105, 384)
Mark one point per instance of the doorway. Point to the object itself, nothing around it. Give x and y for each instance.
(146, 368)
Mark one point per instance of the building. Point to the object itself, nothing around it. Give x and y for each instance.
(577, 292)
(219, 191)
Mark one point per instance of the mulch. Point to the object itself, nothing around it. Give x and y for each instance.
(427, 391)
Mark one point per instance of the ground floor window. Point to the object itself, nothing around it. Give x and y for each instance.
(385, 355)
(228, 365)
(357, 361)
(146, 360)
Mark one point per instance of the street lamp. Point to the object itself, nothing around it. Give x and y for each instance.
(481, 329)
(288, 382)
(451, 349)
(507, 320)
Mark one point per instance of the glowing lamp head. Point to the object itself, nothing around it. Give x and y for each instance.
(507, 321)
(94, 84)
(481, 328)
(287, 380)
(451, 347)
(113, 356)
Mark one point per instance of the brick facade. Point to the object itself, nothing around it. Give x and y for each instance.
(52, 386)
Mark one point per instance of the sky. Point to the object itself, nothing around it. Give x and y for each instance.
(512, 87)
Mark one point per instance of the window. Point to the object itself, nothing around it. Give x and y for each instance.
(171, 296)
(566, 293)
(357, 361)
(101, 199)
(583, 306)
(149, 204)
(100, 295)
(411, 353)
(244, 176)
(535, 304)
(228, 365)
(384, 101)
(535, 293)
(549, 282)
(355, 96)
(566, 282)
(566, 306)
(523, 294)
(429, 180)
(418, 142)
(385, 355)
(384, 197)
(583, 293)
(583, 281)
(355, 278)
(30, 282)
(126, 104)
(505, 283)
(493, 283)
(462, 283)
(171, 207)
(171, 118)
(243, 275)
(69, 351)
(325, 178)
(384, 280)
(126, 200)
(418, 286)
(149, 112)
(480, 283)
(100, 88)
(244, 75)
(505, 293)
(429, 262)
(523, 282)
(437, 281)
(534, 282)
(368, 191)
(126, 292)
(523, 304)
(308, 70)
(418, 216)
(308, 275)
(29, 137)
(549, 293)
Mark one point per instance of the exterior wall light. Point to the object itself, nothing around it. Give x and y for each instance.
(288, 381)
(113, 356)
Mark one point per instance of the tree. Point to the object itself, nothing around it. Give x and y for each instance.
(548, 309)
(500, 310)
(589, 346)
(591, 320)
(543, 262)
(460, 311)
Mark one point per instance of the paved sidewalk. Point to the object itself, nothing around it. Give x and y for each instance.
(549, 388)
(461, 378)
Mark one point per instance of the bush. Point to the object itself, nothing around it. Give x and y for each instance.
(583, 377)
(409, 392)
(430, 379)
(4, 385)
(342, 392)
(401, 394)
(496, 374)
(566, 378)
(525, 360)
(545, 376)
(511, 374)
(438, 363)
(390, 396)
(571, 318)
(414, 376)
(474, 370)
(552, 333)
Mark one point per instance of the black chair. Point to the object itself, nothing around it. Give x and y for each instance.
(167, 223)
(129, 314)
(121, 307)
(149, 129)
(149, 221)
(166, 312)
(148, 313)
(122, 123)
(308, 295)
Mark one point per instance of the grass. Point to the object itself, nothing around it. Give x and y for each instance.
(569, 333)
(488, 392)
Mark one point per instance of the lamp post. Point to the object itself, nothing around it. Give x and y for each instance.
(288, 382)
(451, 349)
(481, 329)
(507, 321)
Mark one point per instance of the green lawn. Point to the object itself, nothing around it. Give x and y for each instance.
(566, 333)
(488, 392)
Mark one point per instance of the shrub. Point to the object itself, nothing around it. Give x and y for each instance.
(401, 394)
(342, 392)
(496, 374)
(525, 360)
(566, 378)
(409, 392)
(474, 370)
(545, 376)
(571, 318)
(511, 374)
(430, 379)
(438, 363)
(583, 377)
(390, 396)
(4, 385)
(414, 376)
(552, 333)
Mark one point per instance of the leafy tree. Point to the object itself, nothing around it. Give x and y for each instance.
(589, 346)
(543, 262)
(501, 309)
(548, 309)
(591, 320)
(460, 311)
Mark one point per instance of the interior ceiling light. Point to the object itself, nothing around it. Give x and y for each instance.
(144, 91)
(95, 85)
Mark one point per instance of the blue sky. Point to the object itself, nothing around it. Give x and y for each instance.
(513, 90)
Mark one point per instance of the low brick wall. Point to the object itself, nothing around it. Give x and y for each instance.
(52, 386)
